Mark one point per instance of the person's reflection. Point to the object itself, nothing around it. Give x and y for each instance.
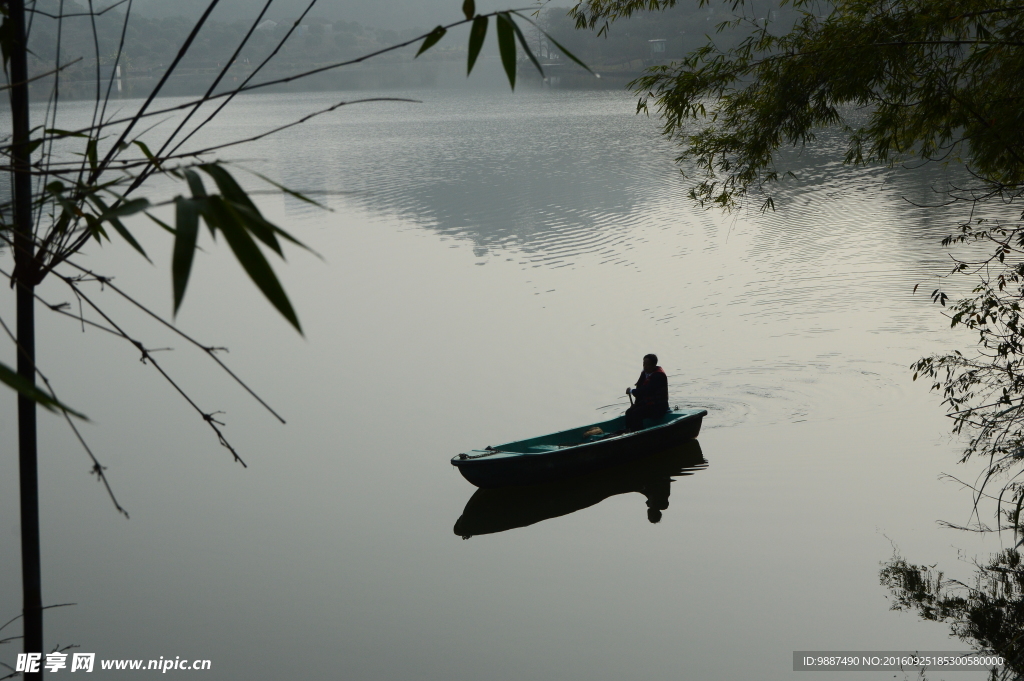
(497, 510)
(657, 492)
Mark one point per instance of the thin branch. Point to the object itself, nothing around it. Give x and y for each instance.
(43, 75)
(213, 86)
(217, 147)
(54, 101)
(152, 95)
(117, 60)
(248, 78)
(97, 468)
(208, 417)
(99, 72)
(45, 607)
(77, 14)
(208, 349)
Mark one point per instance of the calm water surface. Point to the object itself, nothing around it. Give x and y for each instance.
(494, 267)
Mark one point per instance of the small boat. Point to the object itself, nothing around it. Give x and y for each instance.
(573, 452)
(490, 511)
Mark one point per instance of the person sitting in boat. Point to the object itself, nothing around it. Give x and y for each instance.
(651, 393)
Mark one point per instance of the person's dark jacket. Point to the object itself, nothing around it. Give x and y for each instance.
(652, 390)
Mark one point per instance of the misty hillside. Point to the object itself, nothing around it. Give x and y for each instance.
(387, 14)
(334, 31)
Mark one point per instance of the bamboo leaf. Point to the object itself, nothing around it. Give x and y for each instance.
(90, 152)
(469, 9)
(254, 223)
(95, 228)
(507, 47)
(145, 150)
(290, 192)
(227, 185)
(186, 232)
(476, 40)
(59, 133)
(126, 208)
(70, 209)
(432, 39)
(264, 228)
(33, 145)
(526, 48)
(163, 225)
(554, 42)
(127, 236)
(195, 183)
(44, 399)
(250, 257)
(566, 52)
(246, 210)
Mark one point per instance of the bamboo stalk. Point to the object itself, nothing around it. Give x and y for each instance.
(24, 280)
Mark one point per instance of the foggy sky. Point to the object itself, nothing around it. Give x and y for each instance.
(390, 14)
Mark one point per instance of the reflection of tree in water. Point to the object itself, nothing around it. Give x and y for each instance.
(496, 510)
(562, 173)
(988, 616)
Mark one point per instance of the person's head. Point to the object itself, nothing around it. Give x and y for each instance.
(650, 362)
(656, 503)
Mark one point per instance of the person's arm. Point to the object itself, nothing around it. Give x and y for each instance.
(641, 388)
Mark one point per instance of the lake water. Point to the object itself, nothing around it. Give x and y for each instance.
(493, 267)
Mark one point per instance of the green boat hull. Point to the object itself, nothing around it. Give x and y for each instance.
(569, 453)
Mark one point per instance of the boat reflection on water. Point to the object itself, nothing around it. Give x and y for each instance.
(506, 508)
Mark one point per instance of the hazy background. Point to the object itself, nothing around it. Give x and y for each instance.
(334, 32)
(385, 14)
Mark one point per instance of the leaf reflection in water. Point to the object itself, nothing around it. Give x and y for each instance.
(497, 510)
(989, 615)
